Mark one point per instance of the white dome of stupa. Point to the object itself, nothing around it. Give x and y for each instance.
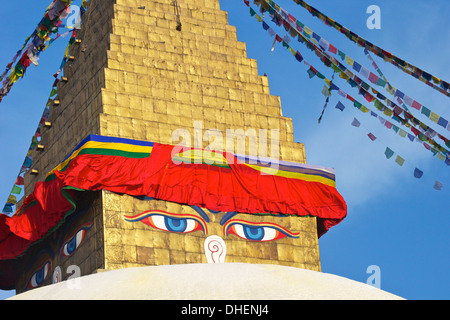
(222, 281)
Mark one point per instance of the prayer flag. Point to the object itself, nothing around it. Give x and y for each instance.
(418, 173)
(381, 82)
(355, 122)
(7, 209)
(356, 66)
(332, 49)
(16, 189)
(311, 73)
(399, 160)
(438, 185)
(340, 106)
(326, 91)
(372, 137)
(373, 78)
(442, 122)
(416, 105)
(20, 181)
(434, 117)
(388, 153)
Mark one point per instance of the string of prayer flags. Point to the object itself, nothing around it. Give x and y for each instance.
(281, 15)
(396, 113)
(40, 40)
(28, 162)
(426, 77)
(389, 153)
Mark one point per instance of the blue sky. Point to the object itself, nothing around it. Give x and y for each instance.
(395, 221)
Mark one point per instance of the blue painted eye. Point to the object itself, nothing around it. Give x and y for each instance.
(253, 233)
(175, 224)
(257, 231)
(39, 276)
(73, 243)
(180, 223)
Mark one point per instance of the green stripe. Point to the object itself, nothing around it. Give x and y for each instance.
(193, 161)
(114, 152)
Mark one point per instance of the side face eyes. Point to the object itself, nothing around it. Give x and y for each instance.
(39, 276)
(252, 231)
(166, 221)
(70, 245)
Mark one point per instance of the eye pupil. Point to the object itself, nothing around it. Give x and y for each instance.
(71, 245)
(254, 233)
(40, 276)
(175, 225)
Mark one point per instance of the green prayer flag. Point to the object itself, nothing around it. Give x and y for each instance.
(379, 105)
(356, 104)
(16, 190)
(381, 82)
(388, 153)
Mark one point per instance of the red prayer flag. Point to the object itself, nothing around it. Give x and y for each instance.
(20, 181)
(332, 49)
(416, 105)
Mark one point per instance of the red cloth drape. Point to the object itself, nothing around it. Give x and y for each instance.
(235, 188)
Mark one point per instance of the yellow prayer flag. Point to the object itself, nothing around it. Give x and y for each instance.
(436, 80)
(307, 30)
(364, 109)
(388, 112)
(343, 75)
(434, 117)
(349, 60)
(402, 133)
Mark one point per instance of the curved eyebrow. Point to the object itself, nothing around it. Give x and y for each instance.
(227, 216)
(201, 213)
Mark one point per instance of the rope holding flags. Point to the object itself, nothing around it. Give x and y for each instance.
(321, 47)
(40, 40)
(18, 186)
(313, 42)
(442, 153)
(426, 77)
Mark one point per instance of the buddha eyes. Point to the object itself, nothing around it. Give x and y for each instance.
(186, 223)
(74, 242)
(39, 276)
(257, 231)
(170, 222)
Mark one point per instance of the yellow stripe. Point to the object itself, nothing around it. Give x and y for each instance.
(103, 145)
(294, 175)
